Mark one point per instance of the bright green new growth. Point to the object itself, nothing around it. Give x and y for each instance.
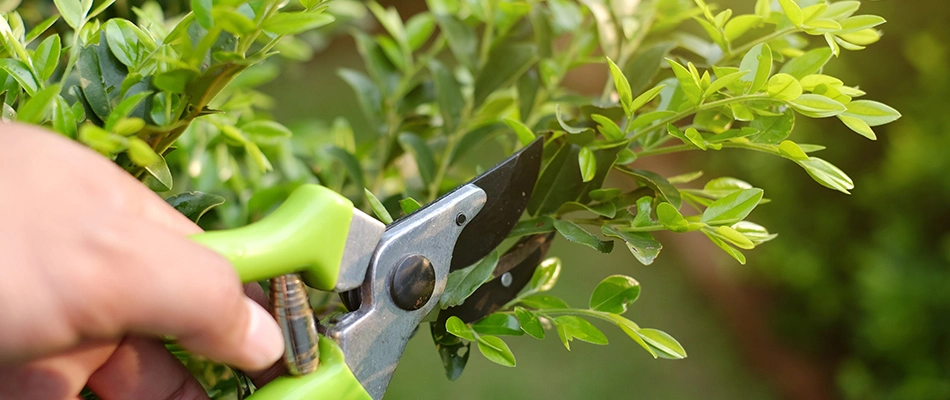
(170, 98)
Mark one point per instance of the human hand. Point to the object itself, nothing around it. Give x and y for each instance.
(94, 267)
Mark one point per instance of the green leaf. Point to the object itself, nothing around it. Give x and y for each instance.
(124, 109)
(622, 87)
(630, 328)
(724, 81)
(607, 194)
(663, 342)
(367, 93)
(827, 174)
(21, 73)
(859, 23)
(350, 162)
(202, 11)
(378, 208)
(614, 294)
(419, 28)
(292, 23)
(645, 65)
(64, 121)
(570, 327)
(159, 177)
(773, 129)
(449, 94)
(817, 106)
(784, 87)
(541, 224)
(543, 302)
(464, 282)
(732, 208)
(421, 153)
(736, 254)
(608, 128)
(739, 25)
(40, 29)
(175, 81)
(576, 234)
(758, 65)
(807, 64)
(858, 125)
(645, 98)
(264, 132)
(46, 57)
(141, 153)
(498, 324)
(791, 150)
(506, 63)
(792, 11)
(72, 11)
(194, 204)
(564, 125)
(455, 326)
(754, 232)
(721, 187)
(671, 218)
(409, 205)
(588, 164)
(453, 351)
(129, 126)
(530, 323)
(40, 107)
(655, 181)
(871, 112)
(763, 8)
(461, 38)
(544, 277)
(235, 22)
(734, 237)
(842, 9)
(643, 246)
(496, 350)
(256, 155)
(687, 82)
(695, 138)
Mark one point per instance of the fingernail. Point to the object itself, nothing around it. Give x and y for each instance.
(265, 344)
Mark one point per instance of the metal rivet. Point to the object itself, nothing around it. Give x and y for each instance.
(460, 219)
(413, 282)
(506, 279)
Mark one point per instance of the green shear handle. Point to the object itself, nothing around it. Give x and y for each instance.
(307, 235)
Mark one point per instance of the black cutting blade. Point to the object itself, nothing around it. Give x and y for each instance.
(508, 187)
(521, 260)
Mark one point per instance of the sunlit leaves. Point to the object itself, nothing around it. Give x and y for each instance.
(570, 327)
(817, 106)
(622, 87)
(784, 87)
(576, 234)
(827, 174)
(291, 23)
(732, 208)
(194, 204)
(757, 64)
(659, 340)
(378, 207)
(614, 294)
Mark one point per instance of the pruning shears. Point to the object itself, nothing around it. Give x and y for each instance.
(391, 277)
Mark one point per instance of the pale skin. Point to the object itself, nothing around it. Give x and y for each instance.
(95, 268)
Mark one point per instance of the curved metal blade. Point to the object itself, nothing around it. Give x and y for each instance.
(520, 261)
(508, 186)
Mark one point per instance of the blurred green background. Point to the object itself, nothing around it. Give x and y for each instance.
(852, 301)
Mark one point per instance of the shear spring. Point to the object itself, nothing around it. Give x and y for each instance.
(295, 317)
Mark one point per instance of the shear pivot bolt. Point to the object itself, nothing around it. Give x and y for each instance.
(460, 219)
(413, 282)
